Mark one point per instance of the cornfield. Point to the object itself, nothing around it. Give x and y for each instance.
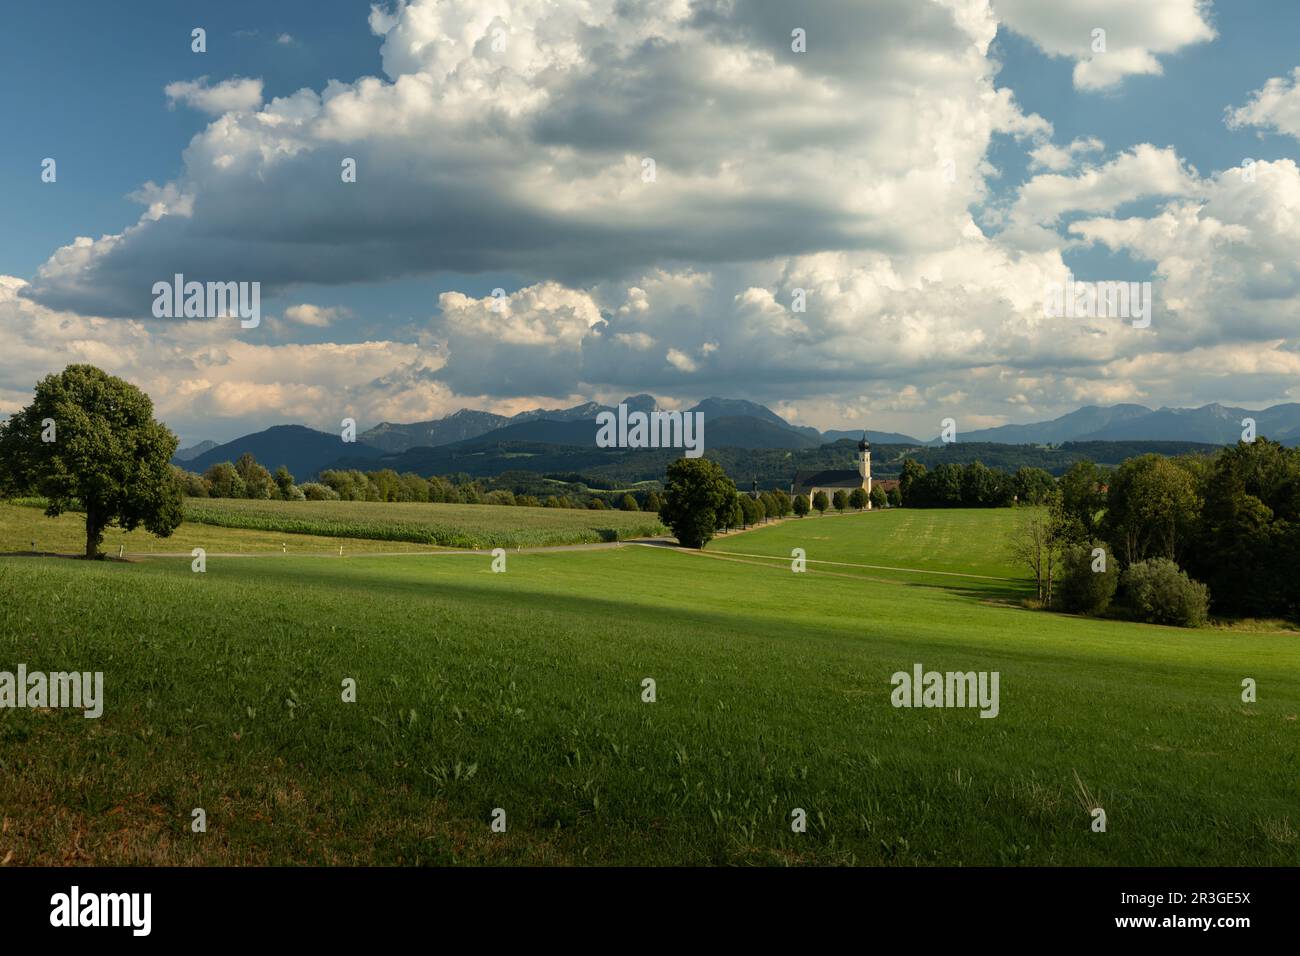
(444, 525)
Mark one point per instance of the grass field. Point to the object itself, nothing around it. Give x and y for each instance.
(522, 691)
(964, 548)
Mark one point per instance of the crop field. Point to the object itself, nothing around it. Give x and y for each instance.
(25, 528)
(523, 692)
(444, 525)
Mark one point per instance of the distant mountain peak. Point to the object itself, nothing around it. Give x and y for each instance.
(193, 451)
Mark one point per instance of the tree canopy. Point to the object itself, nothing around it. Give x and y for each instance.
(89, 439)
(698, 499)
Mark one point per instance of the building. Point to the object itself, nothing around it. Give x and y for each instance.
(808, 483)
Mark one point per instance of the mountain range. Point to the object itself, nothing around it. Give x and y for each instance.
(536, 435)
(729, 422)
(185, 454)
(1213, 424)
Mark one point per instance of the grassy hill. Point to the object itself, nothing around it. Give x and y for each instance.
(522, 691)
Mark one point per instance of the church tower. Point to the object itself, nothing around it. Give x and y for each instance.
(864, 465)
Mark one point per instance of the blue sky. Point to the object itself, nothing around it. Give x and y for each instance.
(519, 169)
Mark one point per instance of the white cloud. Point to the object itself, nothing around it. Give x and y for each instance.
(1136, 34)
(1275, 106)
(1060, 158)
(826, 172)
(681, 361)
(760, 152)
(315, 315)
(233, 94)
(1139, 173)
(211, 379)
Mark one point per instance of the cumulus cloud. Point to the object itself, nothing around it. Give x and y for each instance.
(1060, 158)
(511, 137)
(213, 380)
(1226, 259)
(223, 97)
(1135, 34)
(1139, 173)
(1275, 106)
(314, 315)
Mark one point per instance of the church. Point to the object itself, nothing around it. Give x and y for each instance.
(808, 483)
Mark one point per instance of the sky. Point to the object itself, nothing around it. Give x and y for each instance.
(849, 212)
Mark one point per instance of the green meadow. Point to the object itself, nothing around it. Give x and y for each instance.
(955, 547)
(523, 691)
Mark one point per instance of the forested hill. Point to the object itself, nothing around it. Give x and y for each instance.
(771, 467)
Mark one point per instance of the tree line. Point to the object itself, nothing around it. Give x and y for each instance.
(951, 485)
(248, 478)
(1170, 539)
(700, 500)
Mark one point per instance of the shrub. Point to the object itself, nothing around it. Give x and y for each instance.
(1079, 588)
(194, 486)
(314, 491)
(223, 481)
(1159, 592)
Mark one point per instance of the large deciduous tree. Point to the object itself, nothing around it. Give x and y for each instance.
(698, 499)
(1247, 546)
(90, 438)
(1083, 499)
(1151, 509)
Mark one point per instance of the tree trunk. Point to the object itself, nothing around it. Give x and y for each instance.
(94, 533)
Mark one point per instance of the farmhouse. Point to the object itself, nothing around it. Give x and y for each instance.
(808, 483)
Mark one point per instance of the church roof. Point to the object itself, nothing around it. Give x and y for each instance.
(841, 478)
